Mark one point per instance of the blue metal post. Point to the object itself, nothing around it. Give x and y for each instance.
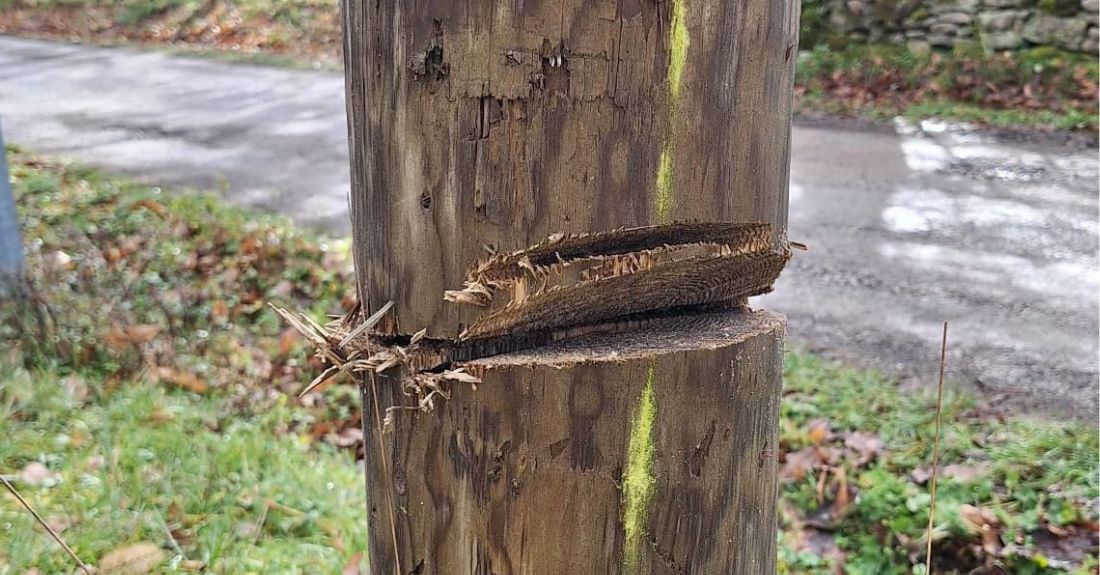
(11, 247)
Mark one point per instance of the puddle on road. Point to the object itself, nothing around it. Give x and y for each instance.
(1076, 279)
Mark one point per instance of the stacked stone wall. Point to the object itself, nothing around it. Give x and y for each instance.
(994, 25)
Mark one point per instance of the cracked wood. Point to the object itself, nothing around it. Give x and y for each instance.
(480, 123)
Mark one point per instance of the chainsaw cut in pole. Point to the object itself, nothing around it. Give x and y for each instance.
(625, 413)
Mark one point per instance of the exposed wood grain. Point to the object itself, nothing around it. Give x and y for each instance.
(647, 448)
(528, 474)
(466, 131)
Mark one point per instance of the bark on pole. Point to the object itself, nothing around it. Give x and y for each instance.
(487, 124)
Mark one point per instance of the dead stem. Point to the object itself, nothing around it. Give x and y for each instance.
(38, 518)
(936, 454)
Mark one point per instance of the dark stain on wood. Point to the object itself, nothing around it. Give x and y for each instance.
(485, 503)
(699, 456)
(523, 120)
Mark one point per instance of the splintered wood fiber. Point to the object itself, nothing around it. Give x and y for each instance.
(689, 282)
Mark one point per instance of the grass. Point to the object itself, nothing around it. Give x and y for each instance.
(235, 475)
(239, 493)
(274, 32)
(158, 387)
(1033, 476)
(1041, 87)
(1038, 88)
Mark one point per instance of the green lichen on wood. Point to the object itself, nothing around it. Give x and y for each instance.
(678, 42)
(677, 58)
(639, 482)
(664, 186)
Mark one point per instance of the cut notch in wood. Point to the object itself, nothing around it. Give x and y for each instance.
(637, 271)
(681, 284)
(560, 249)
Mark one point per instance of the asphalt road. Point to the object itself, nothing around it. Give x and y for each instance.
(907, 227)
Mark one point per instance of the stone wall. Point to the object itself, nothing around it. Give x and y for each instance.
(995, 25)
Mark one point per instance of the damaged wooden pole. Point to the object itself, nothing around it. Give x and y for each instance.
(626, 434)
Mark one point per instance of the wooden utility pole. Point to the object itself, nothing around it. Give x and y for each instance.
(640, 444)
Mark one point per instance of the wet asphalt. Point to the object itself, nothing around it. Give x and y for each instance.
(907, 226)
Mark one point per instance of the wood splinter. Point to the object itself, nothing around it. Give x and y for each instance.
(638, 273)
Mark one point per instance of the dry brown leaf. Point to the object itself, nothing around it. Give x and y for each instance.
(818, 432)
(798, 463)
(136, 559)
(117, 339)
(920, 475)
(820, 543)
(151, 205)
(347, 437)
(141, 333)
(112, 254)
(219, 310)
(965, 472)
(185, 380)
(866, 445)
(977, 518)
(75, 386)
(251, 244)
(287, 341)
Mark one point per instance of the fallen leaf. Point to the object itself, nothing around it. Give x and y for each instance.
(820, 543)
(141, 333)
(843, 495)
(965, 473)
(112, 254)
(920, 475)
(117, 339)
(819, 431)
(347, 437)
(283, 289)
(36, 474)
(251, 245)
(798, 463)
(136, 559)
(287, 341)
(75, 387)
(219, 310)
(151, 205)
(185, 380)
(867, 446)
(61, 260)
(975, 518)
(1068, 550)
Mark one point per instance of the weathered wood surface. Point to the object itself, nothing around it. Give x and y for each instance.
(486, 123)
(651, 451)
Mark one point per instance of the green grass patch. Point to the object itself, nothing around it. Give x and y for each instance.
(1042, 87)
(188, 473)
(150, 383)
(276, 32)
(1029, 487)
(144, 292)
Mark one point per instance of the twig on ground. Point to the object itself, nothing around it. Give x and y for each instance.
(936, 454)
(42, 522)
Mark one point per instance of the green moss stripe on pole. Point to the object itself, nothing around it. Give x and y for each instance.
(639, 482)
(678, 42)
